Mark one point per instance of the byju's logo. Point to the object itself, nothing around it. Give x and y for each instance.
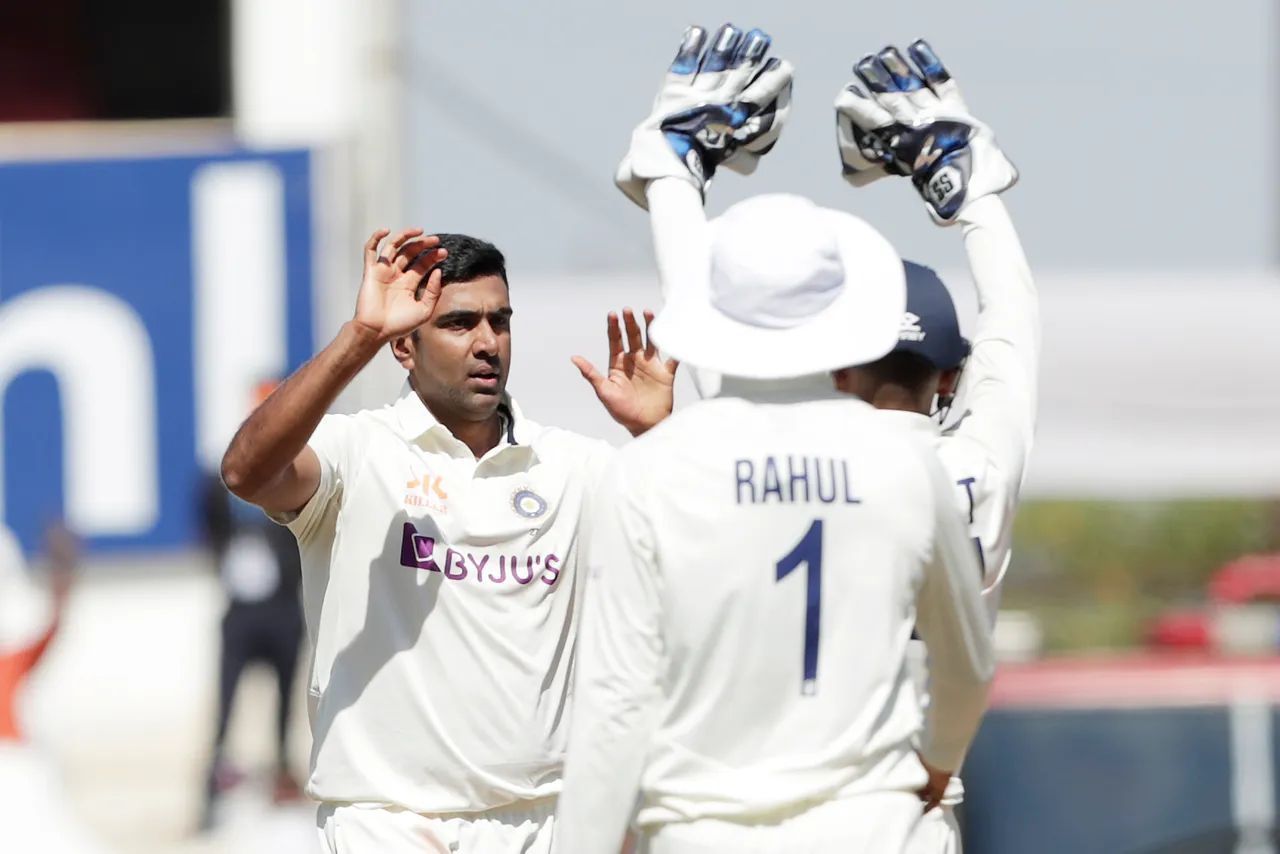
(128, 357)
(420, 551)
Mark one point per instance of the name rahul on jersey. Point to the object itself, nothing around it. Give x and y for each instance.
(788, 479)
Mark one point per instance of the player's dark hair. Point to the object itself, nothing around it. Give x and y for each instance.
(470, 258)
(910, 371)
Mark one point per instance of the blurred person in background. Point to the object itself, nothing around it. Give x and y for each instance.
(261, 573)
(29, 618)
(34, 808)
(439, 538)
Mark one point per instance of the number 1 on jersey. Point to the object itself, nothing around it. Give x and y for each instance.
(809, 552)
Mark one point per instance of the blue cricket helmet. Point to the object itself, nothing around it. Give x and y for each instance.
(930, 327)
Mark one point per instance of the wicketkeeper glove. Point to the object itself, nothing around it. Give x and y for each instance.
(901, 121)
(722, 103)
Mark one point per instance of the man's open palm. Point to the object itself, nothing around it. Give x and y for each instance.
(638, 390)
(393, 299)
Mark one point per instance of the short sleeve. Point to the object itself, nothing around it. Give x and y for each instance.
(333, 445)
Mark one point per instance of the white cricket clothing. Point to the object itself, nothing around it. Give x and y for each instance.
(937, 833)
(986, 449)
(718, 680)
(871, 823)
(361, 829)
(439, 600)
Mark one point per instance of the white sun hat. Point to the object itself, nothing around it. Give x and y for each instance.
(793, 289)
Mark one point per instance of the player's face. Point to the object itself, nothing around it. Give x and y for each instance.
(461, 357)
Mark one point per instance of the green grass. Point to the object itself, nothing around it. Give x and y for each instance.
(1095, 572)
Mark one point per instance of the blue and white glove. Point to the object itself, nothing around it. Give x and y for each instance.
(909, 122)
(722, 104)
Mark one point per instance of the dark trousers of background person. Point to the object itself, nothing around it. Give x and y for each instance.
(268, 632)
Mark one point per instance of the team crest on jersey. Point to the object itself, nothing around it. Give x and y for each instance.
(528, 503)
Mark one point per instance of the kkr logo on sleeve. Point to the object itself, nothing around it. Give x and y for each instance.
(419, 551)
(427, 491)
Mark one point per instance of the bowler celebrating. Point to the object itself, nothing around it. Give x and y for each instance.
(440, 539)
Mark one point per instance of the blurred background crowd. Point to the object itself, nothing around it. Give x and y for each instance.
(184, 188)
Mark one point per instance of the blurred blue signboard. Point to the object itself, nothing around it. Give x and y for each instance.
(141, 302)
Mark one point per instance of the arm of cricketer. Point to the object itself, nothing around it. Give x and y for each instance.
(952, 621)
(998, 386)
(723, 102)
(269, 462)
(909, 118)
(617, 688)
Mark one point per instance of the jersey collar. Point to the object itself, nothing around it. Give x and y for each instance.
(416, 422)
(789, 390)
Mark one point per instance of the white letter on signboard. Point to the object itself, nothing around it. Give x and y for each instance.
(237, 245)
(97, 348)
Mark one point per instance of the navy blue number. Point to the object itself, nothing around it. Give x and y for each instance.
(809, 552)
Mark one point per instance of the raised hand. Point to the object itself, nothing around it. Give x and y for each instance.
(394, 299)
(903, 119)
(723, 102)
(638, 390)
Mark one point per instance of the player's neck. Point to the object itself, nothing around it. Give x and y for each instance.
(888, 396)
(480, 436)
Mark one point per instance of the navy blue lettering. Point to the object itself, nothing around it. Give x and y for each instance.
(794, 478)
(967, 483)
(745, 480)
(772, 484)
(849, 497)
(823, 495)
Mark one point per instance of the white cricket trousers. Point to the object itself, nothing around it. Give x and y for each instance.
(367, 829)
(937, 833)
(874, 823)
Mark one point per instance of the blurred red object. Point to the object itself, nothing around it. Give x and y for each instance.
(1247, 579)
(1183, 630)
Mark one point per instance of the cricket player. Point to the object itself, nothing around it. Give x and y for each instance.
(440, 541)
(34, 806)
(694, 710)
(908, 118)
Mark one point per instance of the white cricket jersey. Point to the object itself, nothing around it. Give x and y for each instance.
(986, 448)
(757, 563)
(440, 602)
